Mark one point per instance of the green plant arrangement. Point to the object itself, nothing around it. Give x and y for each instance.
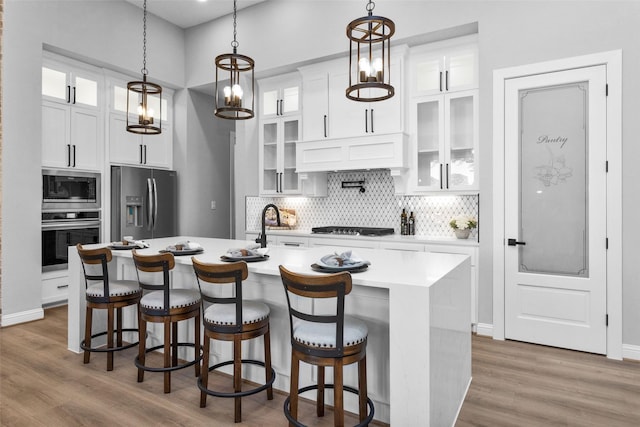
(463, 222)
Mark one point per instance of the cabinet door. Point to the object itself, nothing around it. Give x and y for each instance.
(315, 91)
(442, 71)
(427, 118)
(427, 70)
(461, 136)
(268, 156)
(348, 118)
(387, 116)
(289, 180)
(279, 96)
(158, 149)
(461, 69)
(85, 138)
(55, 83)
(56, 135)
(124, 147)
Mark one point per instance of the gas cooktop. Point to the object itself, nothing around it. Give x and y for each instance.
(353, 231)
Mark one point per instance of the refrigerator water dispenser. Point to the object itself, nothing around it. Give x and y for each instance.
(133, 217)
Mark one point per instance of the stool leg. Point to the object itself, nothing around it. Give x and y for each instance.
(87, 333)
(320, 394)
(174, 344)
(196, 351)
(267, 362)
(338, 403)
(167, 354)
(237, 375)
(204, 372)
(293, 387)
(362, 387)
(119, 325)
(110, 311)
(142, 345)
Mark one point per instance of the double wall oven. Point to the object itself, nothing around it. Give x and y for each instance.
(70, 214)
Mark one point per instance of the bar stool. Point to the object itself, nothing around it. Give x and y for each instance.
(106, 294)
(232, 319)
(161, 304)
(322, 340)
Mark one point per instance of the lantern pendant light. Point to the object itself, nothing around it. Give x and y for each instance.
(235, 102)
(145, 92)
(369, 57)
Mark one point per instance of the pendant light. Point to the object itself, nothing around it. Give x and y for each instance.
(145, 92)
(236, 102)
(369, 57)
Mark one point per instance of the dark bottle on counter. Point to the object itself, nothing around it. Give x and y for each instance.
(411, 225)
(403, 223)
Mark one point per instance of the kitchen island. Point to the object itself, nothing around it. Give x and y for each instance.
(415, 304)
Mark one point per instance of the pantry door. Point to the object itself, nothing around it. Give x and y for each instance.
(555, 257)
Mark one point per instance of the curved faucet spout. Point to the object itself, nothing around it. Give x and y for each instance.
(262, 239)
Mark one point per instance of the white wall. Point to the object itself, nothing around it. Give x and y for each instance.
(106, 33)
(279, 33)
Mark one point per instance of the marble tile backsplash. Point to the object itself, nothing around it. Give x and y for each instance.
(378, 206)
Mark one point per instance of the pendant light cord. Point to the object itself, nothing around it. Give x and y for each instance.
(234, 43)
(144, 39)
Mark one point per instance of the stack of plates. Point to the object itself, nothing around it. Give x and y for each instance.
(352, 267)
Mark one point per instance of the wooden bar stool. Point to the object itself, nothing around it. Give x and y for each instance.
(232, 319)
(103, 293)
(322, 340)
(161, 304)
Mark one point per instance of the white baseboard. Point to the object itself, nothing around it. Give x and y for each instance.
(631, 351)
(22, 317)
(484, 329)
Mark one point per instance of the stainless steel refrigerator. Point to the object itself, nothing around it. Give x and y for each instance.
(143, 203)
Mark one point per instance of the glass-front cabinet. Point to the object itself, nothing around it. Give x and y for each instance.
(280, 96)
(278, 156)
(446, 142)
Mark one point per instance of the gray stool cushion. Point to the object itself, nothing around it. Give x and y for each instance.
(116, 288)
(324, 334)
(225, 314)
(177, 298)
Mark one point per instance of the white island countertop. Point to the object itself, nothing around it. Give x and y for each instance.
(416, 305)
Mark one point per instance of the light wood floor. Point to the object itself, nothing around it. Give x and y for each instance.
(514, 384)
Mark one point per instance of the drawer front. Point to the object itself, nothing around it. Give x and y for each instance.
(451, 249)
(55, 290)
(402, 246)
(292, 241)
(346, 243)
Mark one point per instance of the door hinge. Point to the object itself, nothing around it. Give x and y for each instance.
(606, 243)
(606, 90)
(606, 320)
(606, 166)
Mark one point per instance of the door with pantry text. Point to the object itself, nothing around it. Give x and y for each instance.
(555, 210)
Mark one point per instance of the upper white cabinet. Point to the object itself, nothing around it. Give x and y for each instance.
(444, 69)
(329, 114)
(278, 137)
(72, 125)
(134, 149)
(279, 96)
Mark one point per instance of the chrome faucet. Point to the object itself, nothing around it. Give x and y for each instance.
(262, 238)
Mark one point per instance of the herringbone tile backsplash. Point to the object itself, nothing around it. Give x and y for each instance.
(378, 206)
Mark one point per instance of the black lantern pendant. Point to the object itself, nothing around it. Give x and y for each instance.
(144, 92)
(235, 102)
(369, 57)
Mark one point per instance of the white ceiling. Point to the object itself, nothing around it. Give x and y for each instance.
(187, 13)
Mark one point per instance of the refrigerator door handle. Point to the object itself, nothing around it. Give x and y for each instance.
(149, 205)
(155, 203)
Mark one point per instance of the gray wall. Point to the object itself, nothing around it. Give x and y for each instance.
(277, 34)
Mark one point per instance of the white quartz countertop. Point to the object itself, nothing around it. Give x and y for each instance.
(388, 267)
(423, 239)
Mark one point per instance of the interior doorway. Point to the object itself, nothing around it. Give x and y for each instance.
(556, 208)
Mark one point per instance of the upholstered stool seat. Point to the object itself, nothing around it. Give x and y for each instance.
(325, 340)
(232, 319)
(162, 304)
(102, 292)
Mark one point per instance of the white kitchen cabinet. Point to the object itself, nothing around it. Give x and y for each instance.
(279, 96)
(345, 243)
(55, 287)
(445, 142)
(72, 137)
(280, 240)
(70, 83)
(329, 114)
(277, 157)
(444, 67)
(133, 149)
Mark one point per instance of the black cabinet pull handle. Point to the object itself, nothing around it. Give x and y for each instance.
(441, 176)
(440, 81)
(447, 80)
(325, 125)
(74, 155)
(281, 189)
(145, 154)
(68, 155)
(366, 120)
(447, 173)
(372, 121)
(68, 93)
(513, 242)
(140, 153)
(74, 94)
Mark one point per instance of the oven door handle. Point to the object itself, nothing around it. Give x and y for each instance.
(69, 225)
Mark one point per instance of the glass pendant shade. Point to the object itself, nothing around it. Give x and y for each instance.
(370, 57)
(236, 100)
(149, 95)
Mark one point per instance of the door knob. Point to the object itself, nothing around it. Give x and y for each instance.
(513, 242)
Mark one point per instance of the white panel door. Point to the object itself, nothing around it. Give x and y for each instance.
(555, 215)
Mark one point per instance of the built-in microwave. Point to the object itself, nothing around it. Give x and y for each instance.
(67, 189)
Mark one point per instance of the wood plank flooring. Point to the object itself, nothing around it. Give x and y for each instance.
(514, 384)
